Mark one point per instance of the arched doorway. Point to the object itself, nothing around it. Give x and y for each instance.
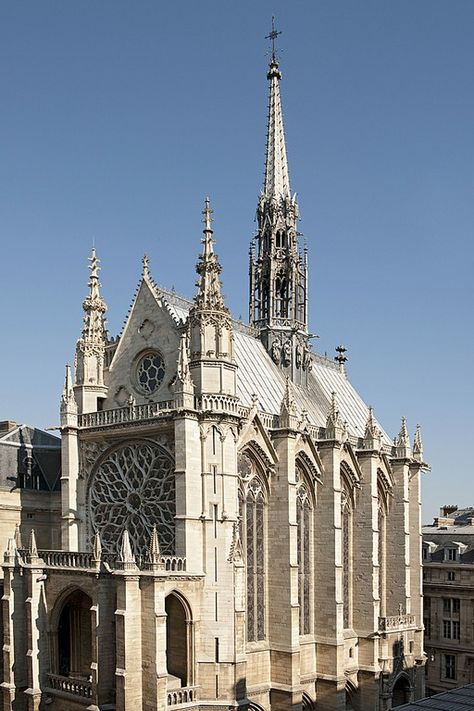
(178, 641)
(401, 692)
(74, 637)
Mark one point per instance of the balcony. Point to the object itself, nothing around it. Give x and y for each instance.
(396, 622)
(69, 685)
(182, 697)
(122, 415)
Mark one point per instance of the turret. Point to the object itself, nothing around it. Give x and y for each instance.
(89, 385)
(212, 367)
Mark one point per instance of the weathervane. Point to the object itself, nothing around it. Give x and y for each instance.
(272, 36)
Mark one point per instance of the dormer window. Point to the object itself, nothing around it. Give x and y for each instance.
(451, 553)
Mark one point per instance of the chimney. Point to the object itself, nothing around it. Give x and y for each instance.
(7, 426)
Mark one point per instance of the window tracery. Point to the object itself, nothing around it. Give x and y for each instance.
(382, 546)
(133, 488)
(252, 529)
(150, 372)
(304, 511)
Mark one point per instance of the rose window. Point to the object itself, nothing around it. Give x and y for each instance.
(150, 372)
(134, 489)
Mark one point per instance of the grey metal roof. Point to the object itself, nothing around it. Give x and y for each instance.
(460, 699)
(258, 375)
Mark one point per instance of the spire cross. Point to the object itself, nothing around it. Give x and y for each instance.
(272, 36)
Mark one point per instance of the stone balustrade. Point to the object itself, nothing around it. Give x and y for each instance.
(121, 415)
(86, 561)
(218, 403)
(69, 685)
(396, 622)
(186, 695)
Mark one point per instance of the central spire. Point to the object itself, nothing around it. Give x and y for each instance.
(278, 268)
(277, 182)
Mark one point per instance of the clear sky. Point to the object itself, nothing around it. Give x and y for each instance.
(117, 118)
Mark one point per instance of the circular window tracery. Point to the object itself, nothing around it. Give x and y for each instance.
(150, 372)
(134, 489)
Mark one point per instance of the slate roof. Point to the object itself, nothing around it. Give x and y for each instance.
(461, 699)
(45, 450)
(258, 375)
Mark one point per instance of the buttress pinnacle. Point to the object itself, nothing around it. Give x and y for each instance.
(209, 295)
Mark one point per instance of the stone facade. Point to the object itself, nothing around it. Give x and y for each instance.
(237, 531)
(448, 585)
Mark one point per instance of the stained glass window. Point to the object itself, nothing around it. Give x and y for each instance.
(150, 372)
(346, 560)
(252, 532)
(303, 520)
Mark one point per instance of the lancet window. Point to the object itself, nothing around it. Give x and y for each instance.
(304, 516)
(252, 524)
(382, 544)
(347, 507)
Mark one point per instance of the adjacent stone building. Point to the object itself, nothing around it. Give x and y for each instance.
(237, 530)
(448, 584)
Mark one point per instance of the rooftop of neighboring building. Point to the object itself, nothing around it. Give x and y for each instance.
(450, 538)
(459, 699)
(30, 458)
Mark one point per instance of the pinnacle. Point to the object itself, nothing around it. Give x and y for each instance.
(209, 294)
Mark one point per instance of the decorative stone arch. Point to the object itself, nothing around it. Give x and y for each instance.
(71, 629)
(307, 703)
(308, 465)
(401, 690)
(253, 448)
(384, 488)
(132, 486)
(349, 481)
(352, 693)
(179, 638)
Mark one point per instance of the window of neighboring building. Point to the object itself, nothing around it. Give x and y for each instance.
(451, 575)
(449, 666)
(451, 553)
(451, 629)
(451, 606)
(427, 626)
(425, 553)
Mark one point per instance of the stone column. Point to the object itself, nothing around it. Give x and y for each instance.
(155, 673)
(37, 661)
(328, 594)
(128, 671)
(14, 652)
(283, 606)
(69, 479)
(398, 549)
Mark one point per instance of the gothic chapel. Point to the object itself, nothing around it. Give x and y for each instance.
(237, 530)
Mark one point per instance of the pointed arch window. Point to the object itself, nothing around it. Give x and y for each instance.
(382, 545)
(304, 521)
(252, 525)
(347, 507)
(281, 296)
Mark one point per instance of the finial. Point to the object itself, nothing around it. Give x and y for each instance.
(32, 547)
(403, 441)
(372, 432)
(154, 553)
(418, 444)
(272, 37)
(333, 418)
(288, 408)
(126, 555)
(146, 266)
(18, 541)
(97, 547)
(207, 215)
(11, 551)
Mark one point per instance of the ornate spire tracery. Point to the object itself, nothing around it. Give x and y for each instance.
(278, 269)
(94, 305)
(209, 295)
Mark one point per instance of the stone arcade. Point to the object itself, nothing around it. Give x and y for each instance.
(237, 530)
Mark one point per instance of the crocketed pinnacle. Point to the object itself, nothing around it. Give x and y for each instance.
(94, 306)
(209, 295)
(277, 182)
(403, 436)
(333, 419)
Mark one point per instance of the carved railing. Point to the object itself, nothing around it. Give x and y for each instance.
(129, 413)
(83, 560)
(396, 622)
(218, 403)
(173, 563)
(186, 695)
(69, 685)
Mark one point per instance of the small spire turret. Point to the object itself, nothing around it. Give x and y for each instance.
(403, 441)
(288, 413)
(154, 553)
(209, 294)
(418, 445)
(334, 423)
(90, 347)
(126, 557)
(372, 434)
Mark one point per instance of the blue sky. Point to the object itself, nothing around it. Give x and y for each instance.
(119, 117)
